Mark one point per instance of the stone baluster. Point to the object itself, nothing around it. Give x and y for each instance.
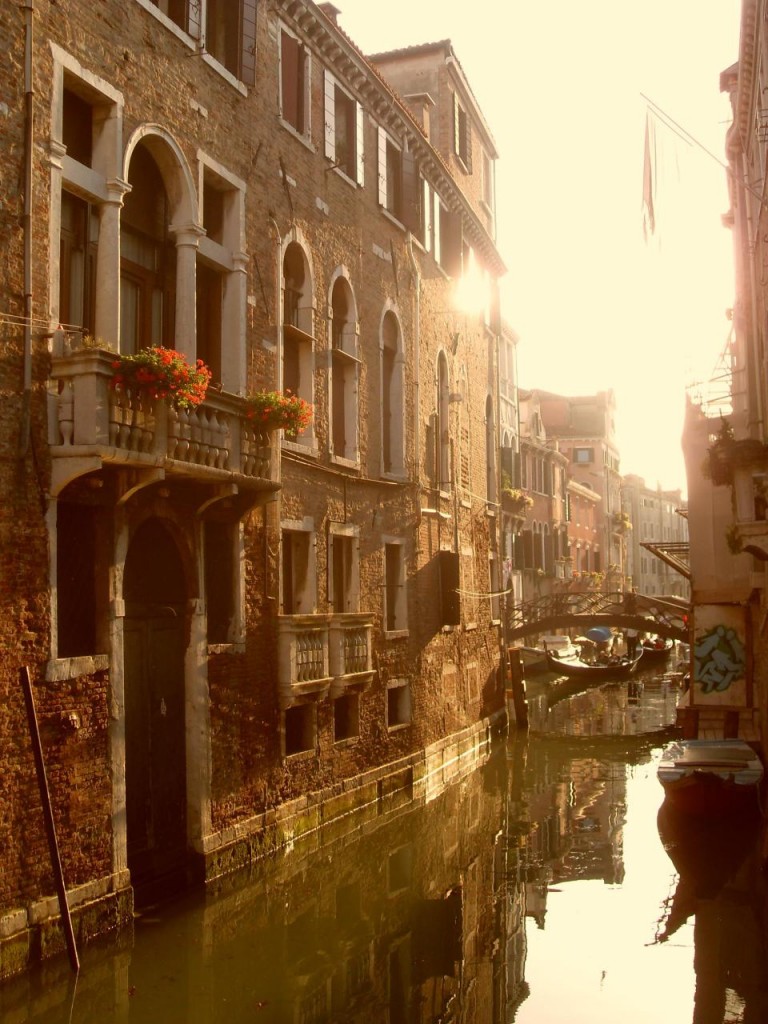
(66, 413)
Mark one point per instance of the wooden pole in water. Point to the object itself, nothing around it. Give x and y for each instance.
(50, 826)
(517, 679)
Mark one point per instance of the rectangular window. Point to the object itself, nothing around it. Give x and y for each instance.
(344, 588)
(230, 35)
(462, 134)
(77, 127)
(230, 30)
(495, 588)
(398, 703)
(583, 455)
(343, 130)
(488, 182)
(294, 83)
(346, 717)
(300, 729)
(81, 592)
(220, 581)
(390, 164)
(78, 242)
(395, 611)
(297, 576)
(468, 587)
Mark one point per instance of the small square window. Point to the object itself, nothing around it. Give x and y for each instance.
(299, 729)
(398, 703)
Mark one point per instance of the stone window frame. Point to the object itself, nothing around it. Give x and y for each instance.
(392, 394)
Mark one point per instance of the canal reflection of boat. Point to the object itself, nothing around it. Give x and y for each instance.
(656, 649)
(711, 777)
(705, 855)
(616, 667)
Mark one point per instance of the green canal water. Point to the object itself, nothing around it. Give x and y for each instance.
(535, 888)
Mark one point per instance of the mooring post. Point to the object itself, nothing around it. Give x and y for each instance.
(517, 680)
(50, 826)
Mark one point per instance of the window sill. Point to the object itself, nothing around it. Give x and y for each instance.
(340, 460)
(349, 741)
(308, 448)
(396, 634)
(305, 140)
(233, 648)
(399, 727)
(341, 173)
(391, 218)
(301, 755)
(60, 669)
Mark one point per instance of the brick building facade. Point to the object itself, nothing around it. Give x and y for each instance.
(235, 637)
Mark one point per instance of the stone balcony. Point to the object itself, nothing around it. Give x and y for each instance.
(92, 426)
(323, 656)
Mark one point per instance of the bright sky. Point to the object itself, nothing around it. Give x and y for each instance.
(594, 305)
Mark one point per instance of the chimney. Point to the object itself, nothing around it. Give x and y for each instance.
(331, 11)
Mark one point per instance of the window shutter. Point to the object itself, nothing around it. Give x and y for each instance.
(330, 116)
(451, 235)
(411, 193)
(193, 18)
(382, 167)
(449, 588)
(360, 140)
(438, 244)
(456, 125)
(248, 38)
(289, 79)
(467, 143)
(427, 210)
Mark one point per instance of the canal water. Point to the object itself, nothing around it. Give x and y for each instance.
(535, 888)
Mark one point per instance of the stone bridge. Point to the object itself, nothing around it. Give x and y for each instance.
(585, 609)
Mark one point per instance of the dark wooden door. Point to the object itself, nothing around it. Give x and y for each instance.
(155, 745)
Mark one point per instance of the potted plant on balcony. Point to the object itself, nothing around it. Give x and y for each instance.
(162, 373)
(516, 500)
(621, 522)
(276, 410)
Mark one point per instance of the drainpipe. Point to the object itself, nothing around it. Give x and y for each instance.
(278, 321)
(27, 228)
(278, 384)
(416, 359)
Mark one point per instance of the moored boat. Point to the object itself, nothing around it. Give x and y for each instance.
(614, 667)
(715, 777)
(656, 649)
(535, 658)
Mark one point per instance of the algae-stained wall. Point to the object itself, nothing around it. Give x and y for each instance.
(150, 89)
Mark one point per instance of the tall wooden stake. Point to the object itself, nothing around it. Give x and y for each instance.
(50, 827)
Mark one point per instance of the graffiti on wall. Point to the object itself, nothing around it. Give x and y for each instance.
(719, 654)
(719, 659)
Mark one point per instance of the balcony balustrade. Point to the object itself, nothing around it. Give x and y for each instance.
(323, 655)
(91, 425)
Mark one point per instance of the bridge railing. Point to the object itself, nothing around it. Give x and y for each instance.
(586, 608)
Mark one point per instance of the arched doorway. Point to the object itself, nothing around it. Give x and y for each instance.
(155, 641)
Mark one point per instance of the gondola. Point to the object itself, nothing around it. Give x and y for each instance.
(612, 668)
(657, 650)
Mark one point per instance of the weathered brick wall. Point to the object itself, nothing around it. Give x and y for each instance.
(162, 83)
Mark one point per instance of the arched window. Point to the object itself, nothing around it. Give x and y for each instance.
(298, 328)
(392, 434)
(147, 259)
(490, 451)
(344, 371)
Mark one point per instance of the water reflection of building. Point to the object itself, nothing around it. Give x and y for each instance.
(401, 919)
